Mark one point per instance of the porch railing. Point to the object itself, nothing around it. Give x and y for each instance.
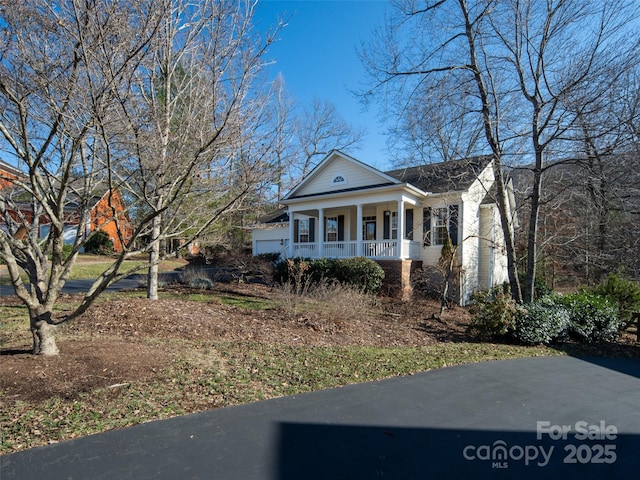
(370, 248)
(306, 250)
(380, 248)
(340, 249)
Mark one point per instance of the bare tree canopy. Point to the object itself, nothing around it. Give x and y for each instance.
(302, 135)
(522, 72)
(135, 100)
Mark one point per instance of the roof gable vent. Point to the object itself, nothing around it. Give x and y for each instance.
(339, 179)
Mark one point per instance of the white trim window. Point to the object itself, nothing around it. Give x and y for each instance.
(332, 229)
(303, 230)
(394, 225)
(339, 179)
(440, 223)
(440, 226)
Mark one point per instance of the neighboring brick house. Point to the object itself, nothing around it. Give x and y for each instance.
(102, 218)
(7, 174)
(400, 219)
(101, 215)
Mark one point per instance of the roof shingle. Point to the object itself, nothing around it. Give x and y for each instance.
(454, 175)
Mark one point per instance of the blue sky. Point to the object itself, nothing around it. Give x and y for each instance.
(316, 54)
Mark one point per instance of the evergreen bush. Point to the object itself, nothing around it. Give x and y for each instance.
(99, 243)
(493, 312)
(272, 257)
(541, 322)
(359, 272)
(625, 293)
(593, 318)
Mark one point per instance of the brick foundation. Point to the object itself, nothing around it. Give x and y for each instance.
(397, 277)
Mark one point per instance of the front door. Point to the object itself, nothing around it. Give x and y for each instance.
(369, 229)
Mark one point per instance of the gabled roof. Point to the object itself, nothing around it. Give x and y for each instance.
(451, 176)
(443, 177)
(382, 179)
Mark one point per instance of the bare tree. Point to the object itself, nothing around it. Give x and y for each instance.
(282, 123)
(184, 127)
(320, 129)
(117, 96)
(435, 124)
(594, 192)
(538, 36)
(524, 58)
(299, 136)
(404, 53)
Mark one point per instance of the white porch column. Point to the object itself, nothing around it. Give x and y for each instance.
(400, 227)
(359, 230)
(320, 238)
(291, 235)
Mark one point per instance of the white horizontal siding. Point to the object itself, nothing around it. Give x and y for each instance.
(485, 259)
(270, 240)
(355, 176)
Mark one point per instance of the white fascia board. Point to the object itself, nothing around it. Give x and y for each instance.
(372, 195)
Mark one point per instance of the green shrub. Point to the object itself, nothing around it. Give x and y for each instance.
(543, 321)
(99, 244)
(593, 318)
(625, 293)
(359, 272)
(201, 283)
(493, 313)
(66, 251)
(322, 269)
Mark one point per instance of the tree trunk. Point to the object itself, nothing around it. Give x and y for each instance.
(493, 140)
(44, 342)
(506, 224)
(444, 301)
(532, 239)
(154, 257)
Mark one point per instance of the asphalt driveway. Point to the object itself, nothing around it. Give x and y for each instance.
(557, 417)
(73, 287)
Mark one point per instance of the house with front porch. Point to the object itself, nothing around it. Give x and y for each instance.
(399, 218)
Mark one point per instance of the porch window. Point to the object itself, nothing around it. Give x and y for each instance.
(390, 225)
(303, 230)
(332, 229)
(394, 225)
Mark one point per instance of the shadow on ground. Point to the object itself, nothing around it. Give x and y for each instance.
(346, 451)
